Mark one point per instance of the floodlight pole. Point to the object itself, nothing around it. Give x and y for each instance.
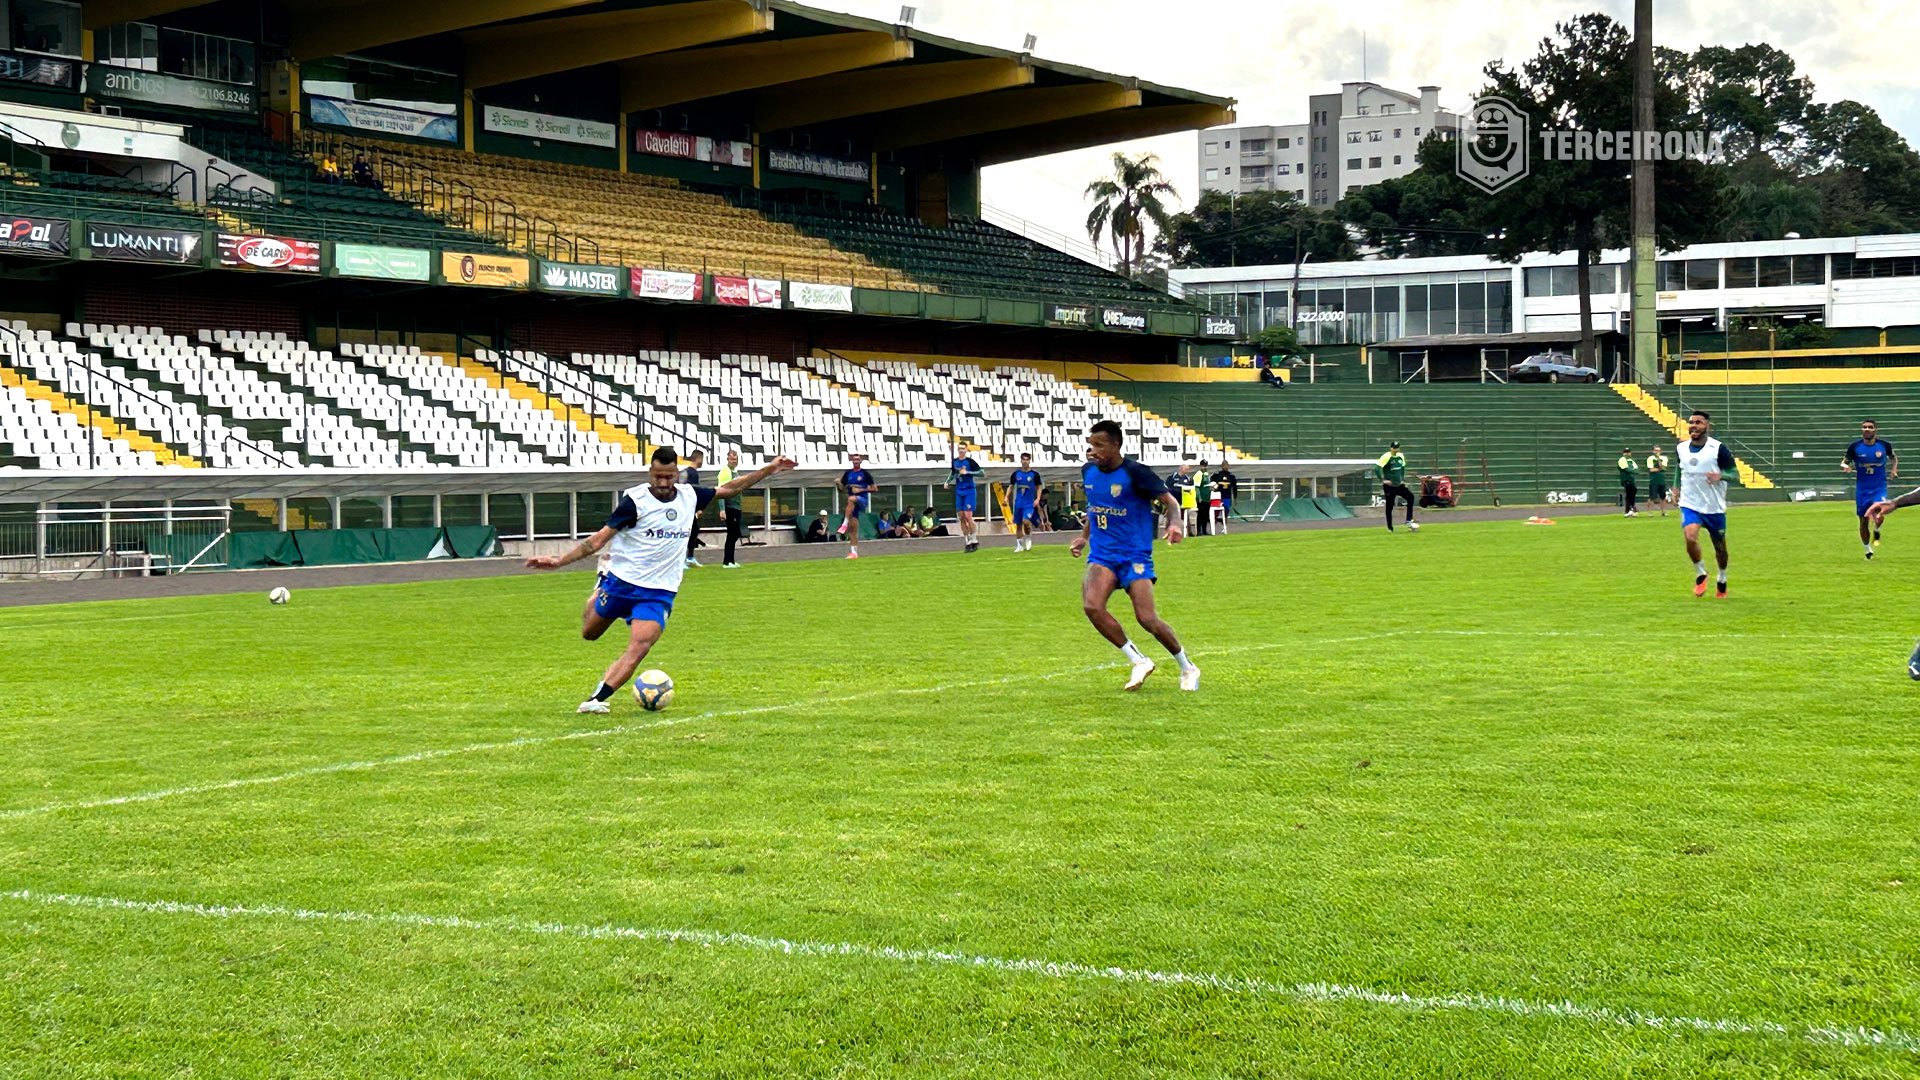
(1646, 327)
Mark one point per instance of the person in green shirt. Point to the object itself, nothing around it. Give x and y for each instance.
(730, 508)
(1657, 493)
(1202, 498)
(1392, 471)
(1629, 486)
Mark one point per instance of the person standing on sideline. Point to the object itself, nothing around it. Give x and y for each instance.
(1872, 462)
(1704, 465)
(690, 476)
(730, 508)
(1117, 539)
(1203, 501)
(1392, 470)
(1027, 488)
(1657, 493)
(1180, 486)
(1226, 488)
(1629, 489)
(966, 497)
(858, 485)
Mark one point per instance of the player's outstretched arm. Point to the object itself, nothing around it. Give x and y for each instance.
(741, 484)
(1884, 507)
(585, 549)
(1174, 532)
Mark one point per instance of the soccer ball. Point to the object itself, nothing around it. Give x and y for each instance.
(653, 689)
(279, 596)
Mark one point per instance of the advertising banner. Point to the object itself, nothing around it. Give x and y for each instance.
(384, 119)
(383, 263)
(154, 88)
(580, 278)
(1125, 320)
(35, 236)
(821, 297)
(49, 71)
(1070, 316)
(543, 126)
(493, 271)
(808, 163)
(1219, 326)
(270, 253)
(665, 284)
(746, 292)
(679, 144)
(125, 243)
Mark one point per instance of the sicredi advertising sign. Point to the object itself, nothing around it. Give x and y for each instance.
(125, 243)
(382, 263)
(535, 125)
(493, 271)
(580, 278)
(270, 253)
(812, 297)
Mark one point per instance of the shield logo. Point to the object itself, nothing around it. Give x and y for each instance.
(1139, 568)
(672, 514)
(1491, 150)
(1115, 490)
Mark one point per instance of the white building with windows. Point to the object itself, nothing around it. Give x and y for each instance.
(1363, 135)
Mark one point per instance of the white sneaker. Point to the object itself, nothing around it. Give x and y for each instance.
(1413, 526)
(692, 563)
(592, 706)
(730, 566)
(1139, 674)
(1190, 679)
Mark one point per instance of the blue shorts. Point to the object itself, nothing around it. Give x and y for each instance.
(1864, 499)
(966, 502)
(860, 503)
(615, 599)
(1128, 571)
(1026, 514)
(1716, 524)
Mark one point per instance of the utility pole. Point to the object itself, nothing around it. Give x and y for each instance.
(1646, 327)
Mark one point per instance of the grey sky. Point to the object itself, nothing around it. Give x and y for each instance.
(1271, 55)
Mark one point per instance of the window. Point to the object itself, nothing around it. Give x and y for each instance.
(1850, 267)
(1213, 149)
(1283, 169)
(130, 45)
(1396, 159)
(1703, 274)
(1396, 133)
(1741, 273)
(1670, 275)
(1320, 142)
(1361, 110)
(1283, 143)
(1353, 163)
(1213, 174)
(1373, 136)
(1353, 136)
(1229, 144)
(1254, 146)
(46, 26)
(1499, 307)
(1473, 307)
(1538, 280)
(1300, 167)
(1373, 163)
(1566, 281)
(1416, 133)
(1385, 110)
(1416, 310)
(1809, 270)
(1603, 280)
(1440, 304)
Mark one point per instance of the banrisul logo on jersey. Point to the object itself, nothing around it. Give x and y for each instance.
(1125, 320)
(270, 253)
(563, 277)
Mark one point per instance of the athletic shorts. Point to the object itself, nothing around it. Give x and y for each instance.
(1715, 524)
(966, 502)
(1864, 499)
(1026, 514)
(1656, 490)
(615, 599)
(860, 503)
(1128, 571)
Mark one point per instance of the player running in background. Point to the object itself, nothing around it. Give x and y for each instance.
(858, 484)
(1872, 463)
(1026, 487)
(1876, 514)
(646, 539)
(966, 497)
(1657, 493)
(1118, 541)
(1704, 465)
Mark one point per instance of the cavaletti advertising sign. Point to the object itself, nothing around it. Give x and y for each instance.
(747, 292)
(492, 271)
(270, 253)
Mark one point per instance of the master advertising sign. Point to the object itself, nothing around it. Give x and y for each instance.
(494, 271)
(581, 278)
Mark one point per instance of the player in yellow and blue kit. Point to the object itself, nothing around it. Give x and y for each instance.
(1118, 540)
(1026, 487)
(1872, 462)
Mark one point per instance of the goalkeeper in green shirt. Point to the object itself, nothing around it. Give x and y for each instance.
(1392, 470)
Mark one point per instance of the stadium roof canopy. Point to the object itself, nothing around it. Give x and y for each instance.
(803, 66)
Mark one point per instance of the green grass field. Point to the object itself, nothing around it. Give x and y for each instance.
(1491, 800)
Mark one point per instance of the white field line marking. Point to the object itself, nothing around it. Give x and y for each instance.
(1633, 1019)
(571, 736)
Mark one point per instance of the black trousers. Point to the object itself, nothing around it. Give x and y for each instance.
(732, 518)
(1394, 493)
(1631, 493)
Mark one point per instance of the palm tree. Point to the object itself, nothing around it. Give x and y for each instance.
(1123, 203)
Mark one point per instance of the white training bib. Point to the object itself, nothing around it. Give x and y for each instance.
(652, 552)
(1696, 492)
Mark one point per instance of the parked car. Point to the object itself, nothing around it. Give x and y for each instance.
(1551, 367)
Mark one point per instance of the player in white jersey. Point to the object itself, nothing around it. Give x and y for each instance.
(1704, 466)
(646, 542)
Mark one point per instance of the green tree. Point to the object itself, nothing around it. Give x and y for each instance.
(1254, 229)
(1124, 203)
(1278, 341)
